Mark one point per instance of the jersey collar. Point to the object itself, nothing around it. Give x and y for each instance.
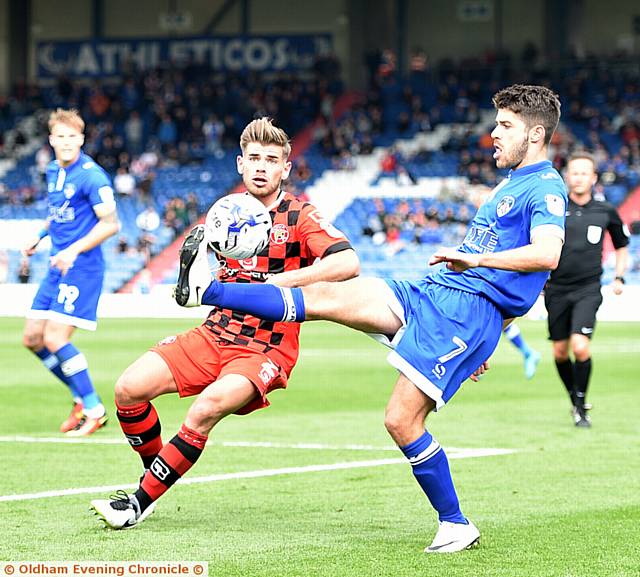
(67, 169)
(530, 169)
(277, 201)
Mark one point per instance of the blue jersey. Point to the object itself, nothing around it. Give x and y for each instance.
(73, 194)
(530, 201)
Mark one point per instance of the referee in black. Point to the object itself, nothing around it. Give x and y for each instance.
(572, 295)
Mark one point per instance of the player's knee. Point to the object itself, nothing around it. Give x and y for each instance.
(33, 341)
(205, 412)
(581, 352)
(53, 341)
(395, 423)
(128, 389)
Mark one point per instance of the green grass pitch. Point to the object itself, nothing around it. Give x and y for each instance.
(566, 503)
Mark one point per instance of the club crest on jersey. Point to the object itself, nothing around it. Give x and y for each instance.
(555, 204)
(505, 205)
(279, 234)
(69, 190)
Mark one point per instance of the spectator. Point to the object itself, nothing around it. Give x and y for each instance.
(148, 220)
(24, 271)
(4, 265)
(124, 182)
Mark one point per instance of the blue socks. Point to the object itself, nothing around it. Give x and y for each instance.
(50, 361)
(513, 334)
(431, 470)
(73, 365)
(265, 301)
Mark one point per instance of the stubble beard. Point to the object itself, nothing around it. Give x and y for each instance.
(515, 156)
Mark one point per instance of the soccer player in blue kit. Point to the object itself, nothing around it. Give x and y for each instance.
(82, 215)
(444, 328)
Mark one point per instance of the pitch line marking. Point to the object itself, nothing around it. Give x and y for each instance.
(248, 444)
(463, 454)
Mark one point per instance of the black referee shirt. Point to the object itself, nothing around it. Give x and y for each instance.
(581, 258)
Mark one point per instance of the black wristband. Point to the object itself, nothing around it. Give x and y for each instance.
(621, 279)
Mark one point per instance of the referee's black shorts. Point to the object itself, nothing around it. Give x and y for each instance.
(572, 310)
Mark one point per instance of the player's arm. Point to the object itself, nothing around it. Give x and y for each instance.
(338, 266)
(107, 225)
(542, 254)
(622, 257)
(32, 243)
(620, 237)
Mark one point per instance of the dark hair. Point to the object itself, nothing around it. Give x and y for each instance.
(535, 104)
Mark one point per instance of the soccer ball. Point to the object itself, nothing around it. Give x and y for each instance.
(238, 226)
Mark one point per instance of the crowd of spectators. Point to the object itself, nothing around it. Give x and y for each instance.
(178, 116)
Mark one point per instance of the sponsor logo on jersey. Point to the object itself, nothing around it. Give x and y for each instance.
(549, 176)
(279, 234)
(594, 233)
(249, 263)
(64, 213)
(69, 190)
(555, 204)
(482, 240)
(505, 205)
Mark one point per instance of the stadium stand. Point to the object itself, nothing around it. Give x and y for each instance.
(418, 142)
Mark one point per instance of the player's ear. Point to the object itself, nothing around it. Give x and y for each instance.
(536, 134)
(286, 170)
(239, 163)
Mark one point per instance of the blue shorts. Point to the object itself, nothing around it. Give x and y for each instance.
(71, 299)
(446, 335)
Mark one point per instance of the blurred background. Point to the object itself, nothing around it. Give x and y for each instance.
(388, 103)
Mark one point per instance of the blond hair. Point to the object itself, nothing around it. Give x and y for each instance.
(262, 131)
(69, 117)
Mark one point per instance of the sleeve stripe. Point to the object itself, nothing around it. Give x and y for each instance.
(338, 247)
(548, 230)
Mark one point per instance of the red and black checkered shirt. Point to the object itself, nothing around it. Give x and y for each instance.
(299, 236)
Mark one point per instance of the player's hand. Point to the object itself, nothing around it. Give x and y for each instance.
(64, 259)
(481, 370)
(617, 287)
(30, 246)
(281, 279)
(456, 261)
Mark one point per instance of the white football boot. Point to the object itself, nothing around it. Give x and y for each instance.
(120, 511)
(452, 537)
(195, 275)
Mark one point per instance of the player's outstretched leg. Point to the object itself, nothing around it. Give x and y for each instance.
(195, 275)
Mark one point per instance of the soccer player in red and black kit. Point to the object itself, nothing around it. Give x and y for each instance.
(233, 359)
(572, 294)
